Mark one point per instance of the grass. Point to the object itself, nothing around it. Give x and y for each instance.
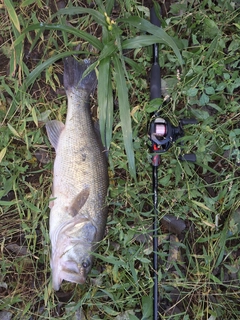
(200, 278)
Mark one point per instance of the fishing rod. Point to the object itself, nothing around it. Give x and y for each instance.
(162, 134)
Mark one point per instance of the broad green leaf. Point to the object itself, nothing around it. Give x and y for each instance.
(79, 33)
(210, 28)
(12, 14)
(28, 2)
(209, 90)
(125, 116)
(146, 26)
(204, 99)
(103, 80)
(37, 71)
(109, 119)
(147, 307)
(109, 5)
(141, 41)
(98, 17)
(192, 92)
(108, 50)
(100, 6)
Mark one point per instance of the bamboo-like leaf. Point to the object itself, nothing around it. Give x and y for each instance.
(98, 17)
(146, 26)
(125, 116)
(100, 5)
(109, 119)
(79, 33)
(12, 14)
(103, 79)
(141, 41)
(14, 132)
(108, 50)
(37, 71)
(109, 6)
(28, 2)
(134, 65)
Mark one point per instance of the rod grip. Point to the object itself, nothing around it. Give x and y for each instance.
(155, 82)
(153, 18)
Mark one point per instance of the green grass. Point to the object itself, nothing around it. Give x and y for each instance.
(200, 59)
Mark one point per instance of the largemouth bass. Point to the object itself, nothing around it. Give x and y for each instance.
(80, 181)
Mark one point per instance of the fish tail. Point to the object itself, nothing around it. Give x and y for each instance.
(73, 75)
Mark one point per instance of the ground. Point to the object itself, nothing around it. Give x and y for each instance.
(199, 263)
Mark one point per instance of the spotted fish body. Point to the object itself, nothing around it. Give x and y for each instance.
(80, 181)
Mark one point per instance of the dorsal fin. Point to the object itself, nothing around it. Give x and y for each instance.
(54, 129)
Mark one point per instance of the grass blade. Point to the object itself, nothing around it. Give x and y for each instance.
(109, 119)
(141, 41)
(29, 2)
(103, 79)
(37, 71)
(108, 50)
(2, 153)
(12, 14)
(146, 26)
(98, 17)
(79, 33)
(105, 102)
(125, 116)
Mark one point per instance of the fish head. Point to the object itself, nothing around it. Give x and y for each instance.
(71, 258)
(71, 269)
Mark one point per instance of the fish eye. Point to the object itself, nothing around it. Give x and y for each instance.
(85, 264)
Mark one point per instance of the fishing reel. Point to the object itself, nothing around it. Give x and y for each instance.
(162, 134)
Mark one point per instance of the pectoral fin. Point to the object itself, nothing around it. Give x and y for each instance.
(54, 129)
(78, 202)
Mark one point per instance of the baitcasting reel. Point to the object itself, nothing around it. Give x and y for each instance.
(162, 134)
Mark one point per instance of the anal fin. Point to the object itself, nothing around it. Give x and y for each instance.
(54, 129)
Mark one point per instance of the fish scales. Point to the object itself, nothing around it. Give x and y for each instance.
(80, 181)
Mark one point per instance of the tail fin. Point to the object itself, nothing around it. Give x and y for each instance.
(73, 72)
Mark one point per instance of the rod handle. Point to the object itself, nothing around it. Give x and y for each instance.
(153, 18)
(155, 82)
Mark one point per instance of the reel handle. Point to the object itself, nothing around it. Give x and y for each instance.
(188, 121)
(190, 157)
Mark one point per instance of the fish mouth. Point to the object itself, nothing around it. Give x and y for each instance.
(71, 272)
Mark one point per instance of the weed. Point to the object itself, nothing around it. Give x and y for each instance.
(199, 55)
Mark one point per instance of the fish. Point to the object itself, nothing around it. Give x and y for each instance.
(78, 210)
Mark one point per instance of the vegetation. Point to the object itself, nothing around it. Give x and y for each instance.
(200, 58)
